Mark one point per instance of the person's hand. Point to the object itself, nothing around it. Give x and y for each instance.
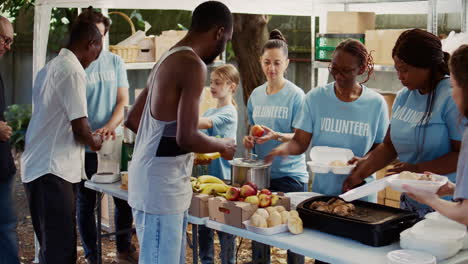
(446, 189)
(267, 136)
(5, 131)
(402, 166)
(281, 151)
(249, 142)
(420, 196)
(98, 139)
(352, 181)
(107, 132)
(230, 150)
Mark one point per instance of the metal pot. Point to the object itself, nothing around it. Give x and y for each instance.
(250, 170)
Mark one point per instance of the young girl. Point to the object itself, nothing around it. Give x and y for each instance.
(458, 210)
(221, 122)
(274, 105)
(344, 114)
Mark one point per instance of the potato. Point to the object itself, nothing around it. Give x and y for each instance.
(293, 213)
(258, 221)
(271, 209)
(274, 219)
(262, 212)
(280, 208)
(295, 225)
(284, 217)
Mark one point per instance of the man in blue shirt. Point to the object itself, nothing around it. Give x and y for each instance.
(106, 95)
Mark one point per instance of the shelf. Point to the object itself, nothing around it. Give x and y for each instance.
(362, 1)
(380, 68)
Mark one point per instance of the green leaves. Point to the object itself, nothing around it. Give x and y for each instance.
(18, 116)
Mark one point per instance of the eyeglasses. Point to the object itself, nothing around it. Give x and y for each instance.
(333, 70)
(4, 40)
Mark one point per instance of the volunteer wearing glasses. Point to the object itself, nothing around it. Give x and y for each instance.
(342, 114)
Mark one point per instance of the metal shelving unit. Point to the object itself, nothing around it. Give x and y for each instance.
(431, 24)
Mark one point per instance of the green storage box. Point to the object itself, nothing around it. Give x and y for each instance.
(325, 44)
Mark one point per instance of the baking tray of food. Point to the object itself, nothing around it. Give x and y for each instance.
(369, 223)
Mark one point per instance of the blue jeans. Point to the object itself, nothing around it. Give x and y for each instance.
(228, 246)
(261, 252)
(161, 237)
(86, 203)
(8, 240)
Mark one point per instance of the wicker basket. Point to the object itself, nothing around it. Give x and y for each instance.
(128, 53)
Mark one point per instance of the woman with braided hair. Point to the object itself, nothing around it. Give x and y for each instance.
(425, 130)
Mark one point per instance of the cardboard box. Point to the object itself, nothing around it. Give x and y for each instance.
(392, 203)
(350, 22)
(381, 201)
(391, 194)
(166, 40)
(381, 43)
(199, 205)
(147, 52)
(234, 213)
(230, 213)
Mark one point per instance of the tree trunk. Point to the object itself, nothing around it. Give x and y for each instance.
(249, 36)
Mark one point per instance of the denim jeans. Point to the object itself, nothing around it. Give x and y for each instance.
(86, 204)
(8, 240)
(227, 242)
(261, 252)
(161, 237)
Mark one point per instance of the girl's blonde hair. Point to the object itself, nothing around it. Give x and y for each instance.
(230, 74)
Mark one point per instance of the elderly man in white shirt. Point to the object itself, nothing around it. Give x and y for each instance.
(52, 163)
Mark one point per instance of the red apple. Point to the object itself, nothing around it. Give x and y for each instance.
(265, 200)
(253, 199)
(253, 185)
(233, 194)
(242, 199)
(247, 190)
(257, 131)
(265, 191)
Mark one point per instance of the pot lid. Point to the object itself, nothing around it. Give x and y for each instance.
(249, 163)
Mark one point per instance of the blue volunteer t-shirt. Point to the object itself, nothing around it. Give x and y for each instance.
(278, 111)
(407, 136)
(354, 125)
(104, 76)
(225, 126)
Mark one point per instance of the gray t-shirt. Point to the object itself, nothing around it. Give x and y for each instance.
(461, 191)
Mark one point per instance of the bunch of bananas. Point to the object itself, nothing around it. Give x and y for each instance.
(207, 184)
(207, 156)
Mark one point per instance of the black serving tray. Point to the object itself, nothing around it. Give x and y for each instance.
(373, 224)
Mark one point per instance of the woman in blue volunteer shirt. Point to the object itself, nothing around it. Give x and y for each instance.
(274, 105)
(457, 210)
(220, 121)
(425, 131)
(344, 114)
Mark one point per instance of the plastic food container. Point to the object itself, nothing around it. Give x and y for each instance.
(322, 156)
(396, 184)
(434, 237)
(299, 197)
(266, 231)
(404, 256)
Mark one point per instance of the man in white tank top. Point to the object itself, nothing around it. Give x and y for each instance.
(165, 118)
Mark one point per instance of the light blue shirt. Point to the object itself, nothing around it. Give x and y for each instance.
(461, 190)
(354, 125)
(444, 125)
(278, 111)
(225, 126)
(103, 77)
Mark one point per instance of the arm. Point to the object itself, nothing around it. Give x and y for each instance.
(188, 135)
(205, 123)
(118, 114)
(134, 115)
(82, 133)
(443, 165)
(270, 134)
(297, 145)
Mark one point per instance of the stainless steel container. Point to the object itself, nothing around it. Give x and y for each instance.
(248, 170)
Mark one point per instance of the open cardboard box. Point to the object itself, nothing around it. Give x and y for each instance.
(235, 213)
(199, 205)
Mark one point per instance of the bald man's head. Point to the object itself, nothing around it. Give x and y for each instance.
(6, 35)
